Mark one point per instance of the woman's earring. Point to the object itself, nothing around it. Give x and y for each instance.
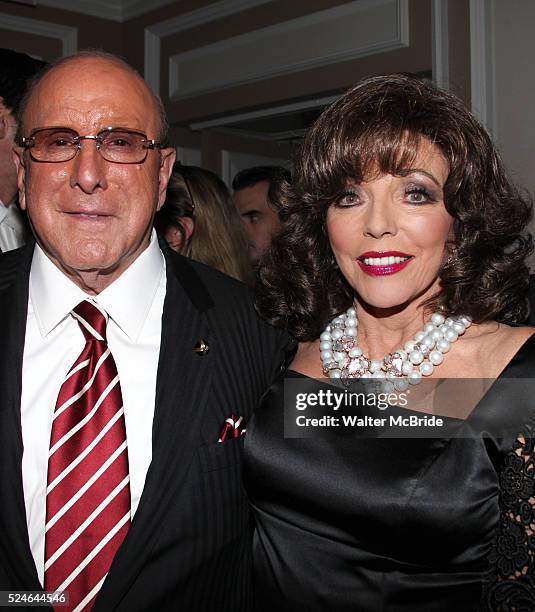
(450, 258)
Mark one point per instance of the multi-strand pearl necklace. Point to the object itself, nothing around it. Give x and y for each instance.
(341, 356)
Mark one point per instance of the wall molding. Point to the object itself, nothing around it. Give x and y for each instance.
(262, 113)
(115, 10)
(396, 36)
(441, 65)
(136, 8)
(482, 63)
(67, 34)
(155, 32)
(105, 9)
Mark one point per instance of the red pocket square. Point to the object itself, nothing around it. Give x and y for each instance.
(233, 427)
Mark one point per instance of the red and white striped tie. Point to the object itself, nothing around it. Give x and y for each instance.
(88, 490)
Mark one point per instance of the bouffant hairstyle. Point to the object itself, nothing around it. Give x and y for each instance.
(376, 128)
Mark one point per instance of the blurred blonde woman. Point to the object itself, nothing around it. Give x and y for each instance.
(200, 221)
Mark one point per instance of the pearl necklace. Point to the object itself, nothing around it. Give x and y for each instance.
(341, 356)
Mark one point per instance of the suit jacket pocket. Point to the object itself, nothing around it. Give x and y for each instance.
(221, 455)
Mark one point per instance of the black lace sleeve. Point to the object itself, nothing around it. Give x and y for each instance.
(511, 583)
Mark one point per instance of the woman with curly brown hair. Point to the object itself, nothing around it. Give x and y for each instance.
(402, 258)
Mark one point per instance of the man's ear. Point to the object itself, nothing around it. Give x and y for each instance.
(18, 159)
(168, 158)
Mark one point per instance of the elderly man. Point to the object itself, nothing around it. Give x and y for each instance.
(121, 362)
(15, 71)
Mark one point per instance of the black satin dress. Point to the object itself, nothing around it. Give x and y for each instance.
(394, 525)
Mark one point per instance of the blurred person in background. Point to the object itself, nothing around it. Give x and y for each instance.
(258, 214)
(200, 221)
(15, 71)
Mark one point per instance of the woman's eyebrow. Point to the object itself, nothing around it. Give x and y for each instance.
(422, 171)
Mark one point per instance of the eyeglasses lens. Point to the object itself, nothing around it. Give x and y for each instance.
(122, 146)
(54, 145)
(119, 146)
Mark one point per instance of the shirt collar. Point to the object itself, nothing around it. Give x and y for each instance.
(3, 211)
(127, 300)
(13, 218)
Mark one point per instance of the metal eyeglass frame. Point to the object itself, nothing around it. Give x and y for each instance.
(28, 142)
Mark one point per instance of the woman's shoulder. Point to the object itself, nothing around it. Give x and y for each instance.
(507, 337)
(491, 347)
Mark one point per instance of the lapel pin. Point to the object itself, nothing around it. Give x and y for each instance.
(201, 348)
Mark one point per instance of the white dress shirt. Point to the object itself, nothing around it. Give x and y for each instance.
(54, 340)
(12, 228)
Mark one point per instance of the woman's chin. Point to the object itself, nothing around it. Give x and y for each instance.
(386, 305)
(393, 299)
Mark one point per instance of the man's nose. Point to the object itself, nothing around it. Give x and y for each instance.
(89, 168)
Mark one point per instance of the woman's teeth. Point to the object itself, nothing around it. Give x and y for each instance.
(383, 261)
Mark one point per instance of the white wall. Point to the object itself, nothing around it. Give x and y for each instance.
(513, 38)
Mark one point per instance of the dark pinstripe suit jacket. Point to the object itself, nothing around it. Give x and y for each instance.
(188, 546)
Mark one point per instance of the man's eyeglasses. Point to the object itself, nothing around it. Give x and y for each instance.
(117, 145)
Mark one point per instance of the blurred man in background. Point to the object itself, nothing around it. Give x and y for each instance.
(259, 216)
(15, 71)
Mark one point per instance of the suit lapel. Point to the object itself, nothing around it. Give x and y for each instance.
(182, 388)
(14, 543)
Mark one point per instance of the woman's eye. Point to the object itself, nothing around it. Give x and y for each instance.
(348, 198)
(418, 195)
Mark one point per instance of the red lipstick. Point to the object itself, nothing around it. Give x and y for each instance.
(386, 266)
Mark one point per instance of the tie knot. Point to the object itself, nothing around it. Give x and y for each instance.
(92, 320)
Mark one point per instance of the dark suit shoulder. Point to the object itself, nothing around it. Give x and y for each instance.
(218, 283)
(204, 285)
(15, 264)
(229, 305)
(231, 298)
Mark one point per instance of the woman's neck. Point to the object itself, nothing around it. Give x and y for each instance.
(380, 333)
